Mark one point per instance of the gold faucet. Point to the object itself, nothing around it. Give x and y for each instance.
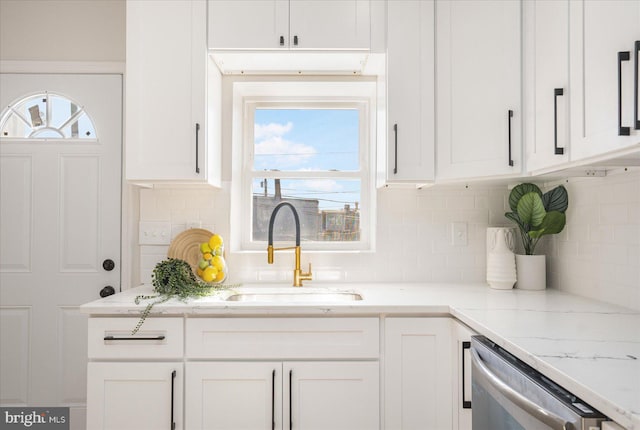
(298, 274)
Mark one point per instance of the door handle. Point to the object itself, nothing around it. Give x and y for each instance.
(395, 134)
(635, 86)
(556, 92)
(466, 404)
(290, 401)
(509, 119)
(173, 381)
(197, 145)
(622, 56)
(107, 291)
(273, 400)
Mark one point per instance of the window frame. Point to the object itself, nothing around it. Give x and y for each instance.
(248, 96)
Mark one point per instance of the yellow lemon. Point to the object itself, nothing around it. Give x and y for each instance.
(220, 276)
(209, 274)
(199, 272)
(215, 241)
(204, 248)
(218, 262)
(207, 256)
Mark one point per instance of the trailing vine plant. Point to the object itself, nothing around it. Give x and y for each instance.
(174, 278)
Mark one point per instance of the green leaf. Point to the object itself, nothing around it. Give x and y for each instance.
(552, 223)
(513, 216)
(531, 210)
(556, 199)
(520, 190)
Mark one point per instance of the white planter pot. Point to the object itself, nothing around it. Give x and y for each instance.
(531, 272)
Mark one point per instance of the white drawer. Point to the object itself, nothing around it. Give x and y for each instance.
(158, 338)
(282, 338)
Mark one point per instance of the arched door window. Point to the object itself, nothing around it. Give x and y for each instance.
(46, 116)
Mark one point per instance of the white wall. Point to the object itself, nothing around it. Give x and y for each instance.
(62, 30)
(598, 253)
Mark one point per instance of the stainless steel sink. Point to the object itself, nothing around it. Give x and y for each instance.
(295, 296)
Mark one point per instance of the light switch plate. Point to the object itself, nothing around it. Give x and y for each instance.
(154, 233)
(459, 234)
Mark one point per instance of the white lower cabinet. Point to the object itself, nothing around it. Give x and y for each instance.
(134, 396)
(282, 395)
(418, 374)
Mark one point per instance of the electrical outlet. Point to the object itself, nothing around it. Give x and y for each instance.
(459, 235)
(154, 233)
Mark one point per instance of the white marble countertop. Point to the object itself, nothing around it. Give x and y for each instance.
(589, 347)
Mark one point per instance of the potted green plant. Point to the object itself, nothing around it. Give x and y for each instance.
(536, 214)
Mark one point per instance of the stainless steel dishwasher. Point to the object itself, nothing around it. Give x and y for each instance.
(510, 395)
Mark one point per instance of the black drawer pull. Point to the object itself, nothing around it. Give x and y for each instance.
(636, 46)
(161, 337)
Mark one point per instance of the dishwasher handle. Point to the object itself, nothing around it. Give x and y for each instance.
(533, 409)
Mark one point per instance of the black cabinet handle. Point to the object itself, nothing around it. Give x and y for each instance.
(290, 402)
(395, 133)
(161, 337)
(295, 40)
(622, 56)
(197, 144)
(173, 380)
(635, 86)
(273, 400)
(556, 92)
(466, 404)
(509, 119)
(281, 40)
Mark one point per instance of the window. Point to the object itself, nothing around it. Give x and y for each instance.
(307, 144)
(46, 116)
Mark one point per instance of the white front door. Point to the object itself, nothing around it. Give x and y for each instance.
(60, 197)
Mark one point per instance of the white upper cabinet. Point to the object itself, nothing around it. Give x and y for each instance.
(546, 83)
(289, 24)
(167, 139)
(603, 49)
(478, 91)
(410, 91)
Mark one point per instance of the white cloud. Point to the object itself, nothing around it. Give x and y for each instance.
(265, 131)
(322, 185)
(275, 152)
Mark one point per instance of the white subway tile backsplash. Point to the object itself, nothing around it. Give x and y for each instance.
(597, 255)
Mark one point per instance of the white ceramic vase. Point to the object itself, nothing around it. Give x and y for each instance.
(501, 263)
(532, 272)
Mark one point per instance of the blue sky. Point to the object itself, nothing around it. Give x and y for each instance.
(309, 140)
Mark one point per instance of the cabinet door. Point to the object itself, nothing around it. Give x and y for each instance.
(418, 373)
(331, 395)
(233, 395)
(410, 91)
(134, 396)
(547, 89)
(165, 90)
(478, 88)
(336, 24)
(600, 29)
(248, 24)
(462, 416)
